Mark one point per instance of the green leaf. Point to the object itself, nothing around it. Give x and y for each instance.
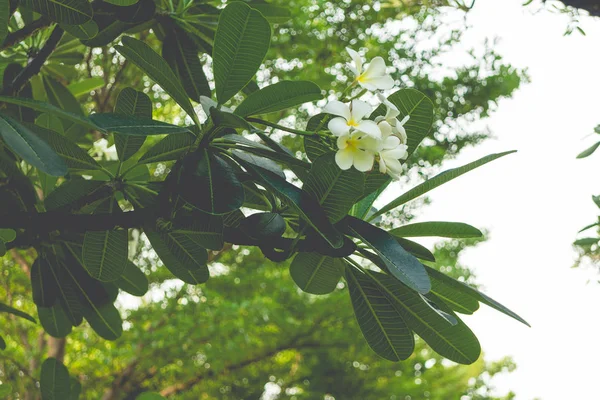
(336, 190)
(481, 297)
(401, 264)
(10, 310)
(204, 229)
(169, 148)
(224, 119)
(149, 396)
(59, 96)
(380, 322)
(315, 273)
(441, 229)
(70, 192)
(30, 147)
(588, 152)
(54, 320)
(7, 235)
(209, 183)
(181, 53)
(181, 255)
(279, 96)
(438, 180)
(85, 86)
(241, 43)
(104, 320)
(55, 383)
(419, 107)
(133, 280)
(136, 126)
(274, 14)
(5, 388)
(305, 205)
(43, 285)
(455, 299)
(122, 3)
(586, 241)
(66, 290)
(71, 12)
(416, 249)
(84, 31)
(75, 389)
(261, 226)
(73, 155)
(315, 147)
(50, 109)
(455, 342)
(263, 162)
(105, 254)
(158, 70)
(107, 32)
(131, 102)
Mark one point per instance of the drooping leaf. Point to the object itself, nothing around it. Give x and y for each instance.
(457, 300)
(66, 290)
(54, 320)
(481, 297)
(30, 147)
(71, 12)
(416, 249)
(10, 310)
(305, 205)
(135, 103)
(181, 53)
(105, 320)
(279, 96)
(334, 189)
(316, 273)
(262, 226)
(441, 229)
(105, 254)
(419, 107)
(380, 322)
(55, 383)
(158, 70)
(209, 183)
(438, 180)
(43, 285)
(181, 255)
(169, 148)
(133, 280)
(589, 151)
(73, 155)
(455, 342)
(135, 126)
(401, 264)
(241, 42)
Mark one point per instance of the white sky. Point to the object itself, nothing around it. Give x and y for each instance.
(533, 203)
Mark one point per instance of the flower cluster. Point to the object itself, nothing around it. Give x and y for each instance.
(360, 140)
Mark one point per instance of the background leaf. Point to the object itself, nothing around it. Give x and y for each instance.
(279, 96)
(54, 380)
(135, 103)
(441, 229)
(72, 12)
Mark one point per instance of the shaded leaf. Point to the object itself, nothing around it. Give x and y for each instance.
(73, 155)
(133, 280)
(131, 102)
(71, 12)
(50, 109)
(261, 226)
(105, 320)
(55, 383)
(54, 320)
(10, 310)
(135, 126)
(315, 273)
(279, 96)
(169, 148)
(105, 254)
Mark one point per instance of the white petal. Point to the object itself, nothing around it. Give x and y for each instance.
(357, 61)
(338, 126)
(353, 69)
(370, 128)
(360, 109)
(363, 160)
(384, 127)
(383, 82)
(382, 167)
(342, 142)
(401, 133)
(404, 120)
(394, 166)
(338, 108)
(367, 85)
(397, 153)
(391, 142)
(344, 159)
(375, 68)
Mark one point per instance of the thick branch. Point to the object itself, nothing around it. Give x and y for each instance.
(35, 63)
(43, 223)
(24, 33)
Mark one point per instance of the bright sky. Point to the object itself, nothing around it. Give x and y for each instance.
(533, 203)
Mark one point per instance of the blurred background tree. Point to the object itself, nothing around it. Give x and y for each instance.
(265, 339)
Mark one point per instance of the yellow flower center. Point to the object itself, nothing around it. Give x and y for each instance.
(352, 144)
(361, 78)
(352, 122)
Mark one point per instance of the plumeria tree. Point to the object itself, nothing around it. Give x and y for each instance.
(225, 178)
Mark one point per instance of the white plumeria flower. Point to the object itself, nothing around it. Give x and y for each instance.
(390, 117)
(356, 149)
(351, 117)
(374, 76)
(391, 153)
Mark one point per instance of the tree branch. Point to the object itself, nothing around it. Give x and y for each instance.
(35, 63)
(24, 33)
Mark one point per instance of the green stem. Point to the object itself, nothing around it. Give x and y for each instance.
(283, 128)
